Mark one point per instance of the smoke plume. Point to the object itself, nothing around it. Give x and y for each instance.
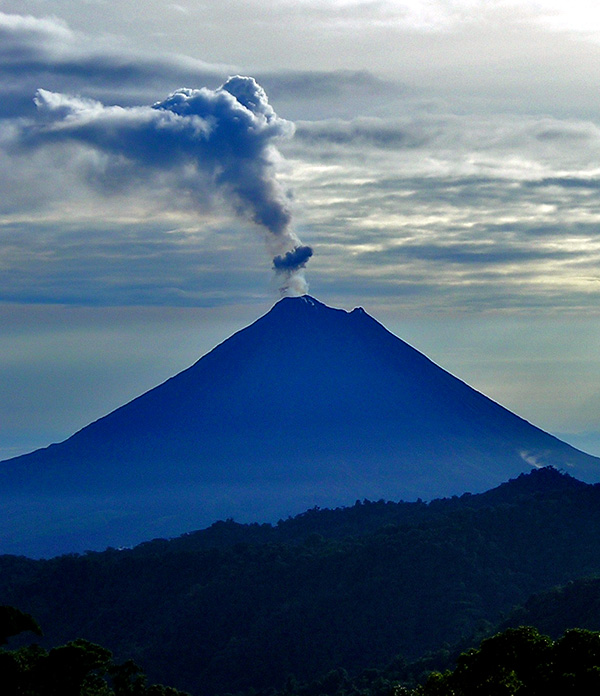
(226, 136)
(293, 260)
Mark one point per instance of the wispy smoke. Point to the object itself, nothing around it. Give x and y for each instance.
(226, 136)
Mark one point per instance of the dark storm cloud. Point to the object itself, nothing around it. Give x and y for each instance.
(567, 182)
(36, 52)
(373, 132)
(556, 132)
(330, 84)
(100, 69)
(472, 254)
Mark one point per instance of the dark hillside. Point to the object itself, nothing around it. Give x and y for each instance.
(575, 604)
(240, 606)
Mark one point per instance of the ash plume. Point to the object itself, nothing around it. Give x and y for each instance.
(290, 265)
(226, 137)
(294, 259)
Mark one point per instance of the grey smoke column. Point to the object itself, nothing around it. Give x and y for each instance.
(228, 136)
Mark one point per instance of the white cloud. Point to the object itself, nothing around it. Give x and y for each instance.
(580, 16)
(17, 30)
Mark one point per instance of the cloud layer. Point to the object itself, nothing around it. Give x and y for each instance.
(415, 191)
(456, 213)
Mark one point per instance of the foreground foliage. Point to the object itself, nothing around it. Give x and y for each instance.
(79, 668)
(524, 662)
(517, 662)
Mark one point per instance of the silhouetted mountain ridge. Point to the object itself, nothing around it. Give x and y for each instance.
(366, 517)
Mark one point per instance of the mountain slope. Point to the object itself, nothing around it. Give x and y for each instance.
(307, 406)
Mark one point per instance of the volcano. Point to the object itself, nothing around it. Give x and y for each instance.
(308, 406)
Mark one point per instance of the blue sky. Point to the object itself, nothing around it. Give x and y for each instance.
(441, 159)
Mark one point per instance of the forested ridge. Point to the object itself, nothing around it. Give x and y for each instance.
(516, 662)
(376, 591)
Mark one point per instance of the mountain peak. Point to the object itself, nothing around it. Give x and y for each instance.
(304, 310)
(308, 406)
(306, 305)
(303, 299)
(300, 301)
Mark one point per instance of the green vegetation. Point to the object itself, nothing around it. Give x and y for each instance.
(13, 622)
(517, 662)
(521, 661)
(553, 612)
(78, 668)
(364, 597)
